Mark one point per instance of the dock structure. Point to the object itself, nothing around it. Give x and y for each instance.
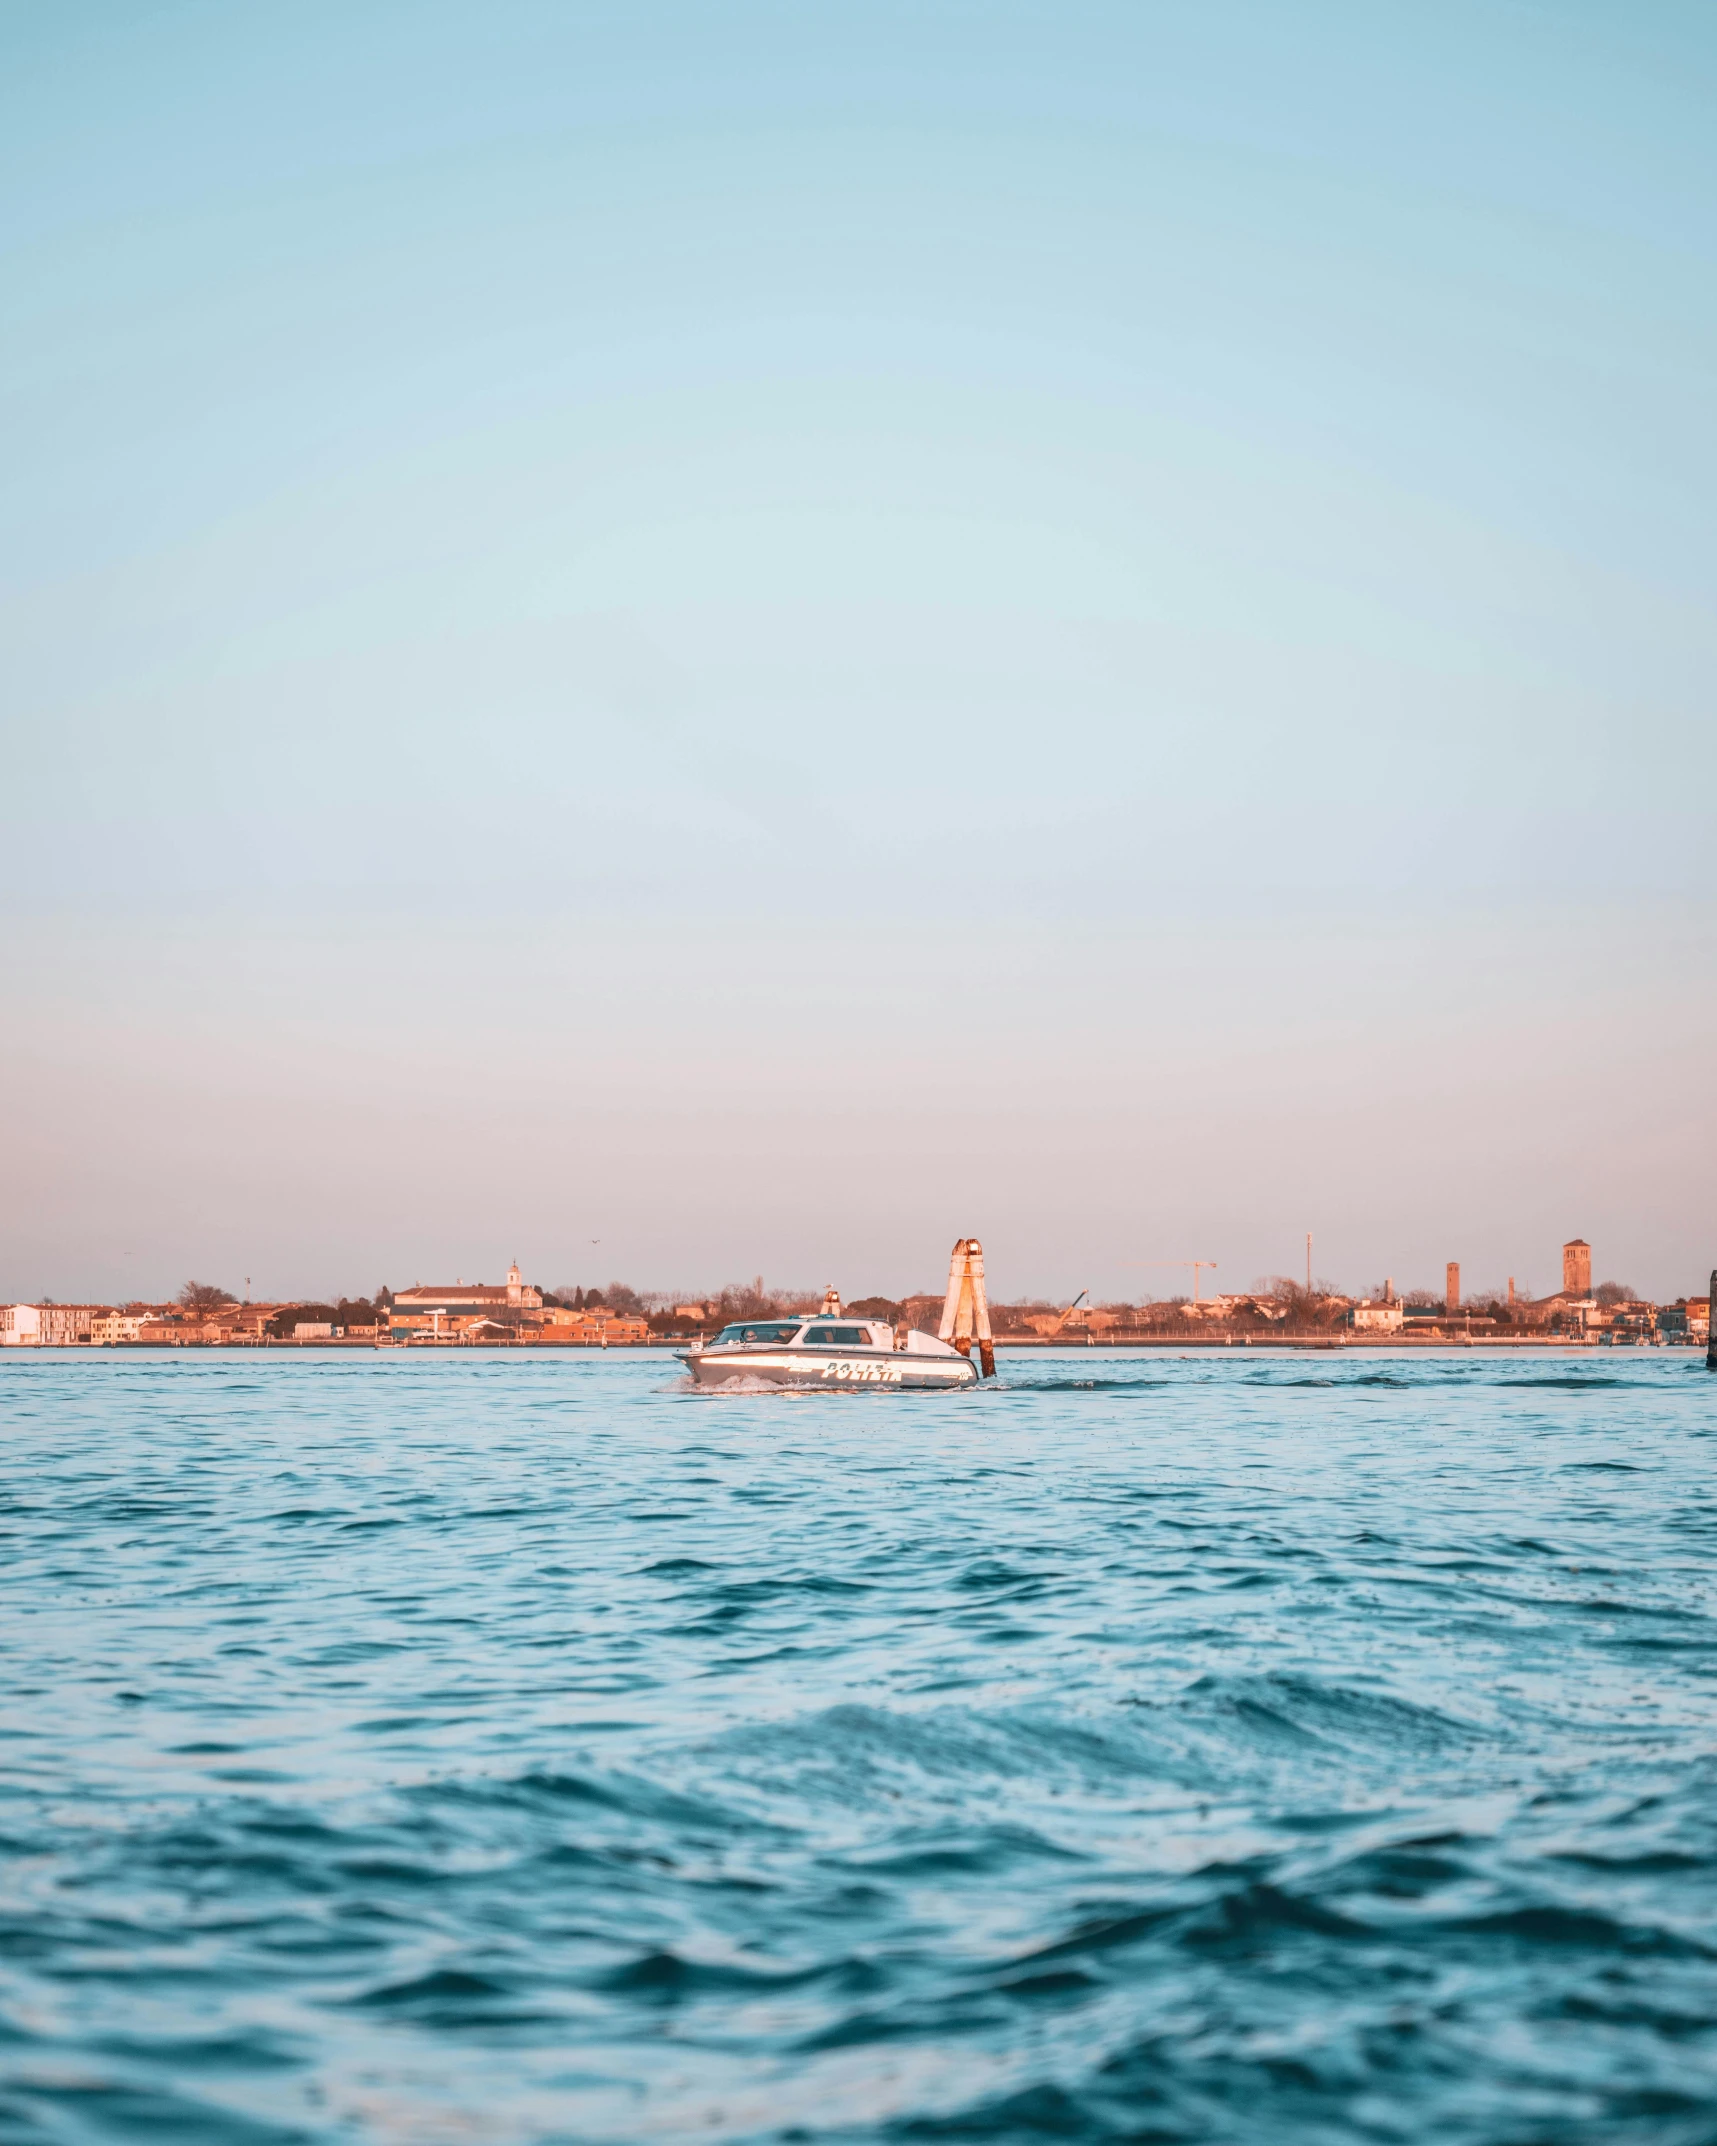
(966, 1314)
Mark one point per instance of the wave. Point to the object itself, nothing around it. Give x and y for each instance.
(1570, 1382)
(1011, 1382)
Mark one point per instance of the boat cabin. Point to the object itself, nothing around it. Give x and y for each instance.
(811, 1333)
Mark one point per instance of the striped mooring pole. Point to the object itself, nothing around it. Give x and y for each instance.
(966, 1314)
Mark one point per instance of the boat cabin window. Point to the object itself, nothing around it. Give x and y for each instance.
(853, 1336)
(760, 1330)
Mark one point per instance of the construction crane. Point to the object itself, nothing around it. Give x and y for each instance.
(1197, 1266)
(1071, 1309)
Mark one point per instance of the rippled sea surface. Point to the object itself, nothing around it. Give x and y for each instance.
(461, 1748)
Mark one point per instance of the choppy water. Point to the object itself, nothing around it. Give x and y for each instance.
(468, 1749)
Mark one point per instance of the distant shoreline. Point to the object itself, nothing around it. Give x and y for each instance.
(1179, 1345)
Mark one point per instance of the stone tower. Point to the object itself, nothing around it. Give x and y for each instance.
(1577, 1268)
(1452, 1286)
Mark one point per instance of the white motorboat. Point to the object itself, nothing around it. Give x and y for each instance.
(830, 1350)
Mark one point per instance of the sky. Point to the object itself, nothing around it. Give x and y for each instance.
(683, 641)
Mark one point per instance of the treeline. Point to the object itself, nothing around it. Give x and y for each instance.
(613, 1296)
(349, 1312)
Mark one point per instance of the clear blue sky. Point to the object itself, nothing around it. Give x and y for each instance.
(768, 634)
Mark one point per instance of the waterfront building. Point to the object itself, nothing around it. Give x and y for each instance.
(165, 1328)
(1577, 1268)
(1630, 1322)
(47, 1326)
(440, 1308)
(510, 1311)
(594, 1326)
(109, 1328)
(243, 1322)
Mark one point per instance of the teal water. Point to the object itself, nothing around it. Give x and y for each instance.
(452, 1749)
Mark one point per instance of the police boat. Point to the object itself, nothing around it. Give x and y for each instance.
(831, 1350)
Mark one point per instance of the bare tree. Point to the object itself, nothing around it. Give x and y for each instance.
(201, 1299)
(1315, 1307)
(750, 1300)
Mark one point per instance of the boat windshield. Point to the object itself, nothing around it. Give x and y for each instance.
(776, 1330)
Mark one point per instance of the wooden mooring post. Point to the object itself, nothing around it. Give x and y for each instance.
(966, 1314)
(1711, 1329)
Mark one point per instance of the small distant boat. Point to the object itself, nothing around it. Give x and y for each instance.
(830, 1350)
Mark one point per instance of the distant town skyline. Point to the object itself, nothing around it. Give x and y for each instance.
(1577, 1278)
(517, 1313)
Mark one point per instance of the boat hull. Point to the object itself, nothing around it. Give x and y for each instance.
(844, 1370)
